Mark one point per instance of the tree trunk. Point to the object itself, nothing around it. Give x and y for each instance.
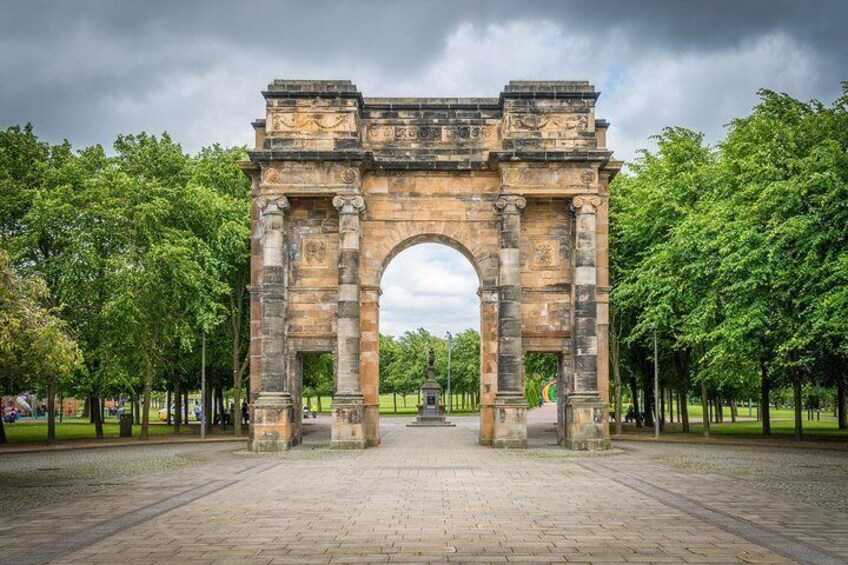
(394, 401)
(319, 403)
(236, 324)
(185, 407)
(734, 410)
(799, 408)
(634, 393)
(765, 392)
(705, 405)
(662, 409)
(670, 405)
(178, 407)
(86, 410)
(102, 409)
(683, 404)
(647, 403)
(616, 371)
(145, 406)
(841, 416)
(168, 408)
(95, 411)
(51, 410)
(3, 439)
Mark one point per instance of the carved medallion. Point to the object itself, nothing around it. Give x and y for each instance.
(545, 254)
(271, 175)
(587, 177)
(349, 176)
(313, 252)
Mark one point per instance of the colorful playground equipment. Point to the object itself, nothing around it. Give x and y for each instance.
(549, 392)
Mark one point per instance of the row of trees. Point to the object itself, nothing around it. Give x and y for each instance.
(735, 259)
(135, 255)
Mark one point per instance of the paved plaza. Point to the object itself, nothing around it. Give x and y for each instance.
(426, 495)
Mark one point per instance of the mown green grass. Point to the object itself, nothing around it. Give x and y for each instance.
(36, 432)
(387, 405)
(782, 425)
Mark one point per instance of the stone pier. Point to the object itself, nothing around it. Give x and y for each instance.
(510, 404)
(348, 402)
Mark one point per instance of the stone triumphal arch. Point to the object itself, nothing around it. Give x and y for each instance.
(343, 183)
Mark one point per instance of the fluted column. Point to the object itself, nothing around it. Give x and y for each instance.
(271, 428)
(348, 409)
(510, 405)
(585, 411)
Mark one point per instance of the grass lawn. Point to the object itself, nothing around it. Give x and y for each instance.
(782, 425)
(73, 428)
(387, 405)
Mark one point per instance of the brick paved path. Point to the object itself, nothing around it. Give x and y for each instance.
(426, 495)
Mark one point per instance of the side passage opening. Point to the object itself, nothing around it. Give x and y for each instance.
(317, 389)
(542, 389)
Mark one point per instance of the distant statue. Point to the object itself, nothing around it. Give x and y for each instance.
(432, 362)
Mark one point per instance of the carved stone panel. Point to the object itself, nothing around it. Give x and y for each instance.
(538, 122)
(545, 254)
(314, 252)
(299, 123)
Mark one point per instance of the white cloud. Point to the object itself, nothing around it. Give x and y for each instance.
(430, 286)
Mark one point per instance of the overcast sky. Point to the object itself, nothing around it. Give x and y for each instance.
(87, 70)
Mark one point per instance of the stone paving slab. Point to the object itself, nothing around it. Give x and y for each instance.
(435, 496)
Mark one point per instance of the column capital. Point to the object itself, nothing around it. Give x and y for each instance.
(509, 204)
(269, 205)
(349, 203)
(586, 203)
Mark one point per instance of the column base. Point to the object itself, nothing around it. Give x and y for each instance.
(510, 430)
(272, 426)
(348, 431)
(372, 425)
(586, 422)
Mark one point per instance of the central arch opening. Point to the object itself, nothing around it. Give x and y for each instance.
(430, 298)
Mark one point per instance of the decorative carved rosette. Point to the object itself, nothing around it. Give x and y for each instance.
(349, 204)
(510, 204)
(349, 175)
(587, 204)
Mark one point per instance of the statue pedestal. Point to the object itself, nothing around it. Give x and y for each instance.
(431, 412)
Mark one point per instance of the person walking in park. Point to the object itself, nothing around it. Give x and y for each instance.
(244, 412)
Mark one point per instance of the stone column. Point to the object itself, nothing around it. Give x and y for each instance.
(585, 411)
(348, 410)
(271, 427)
(488, 362)
(510, 405)
(370, 363)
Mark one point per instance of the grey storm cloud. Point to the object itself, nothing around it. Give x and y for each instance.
(88, 70)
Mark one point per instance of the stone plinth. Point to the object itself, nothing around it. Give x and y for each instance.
(272, 425)
(348, 414)
(586, 422)
(510, 421)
